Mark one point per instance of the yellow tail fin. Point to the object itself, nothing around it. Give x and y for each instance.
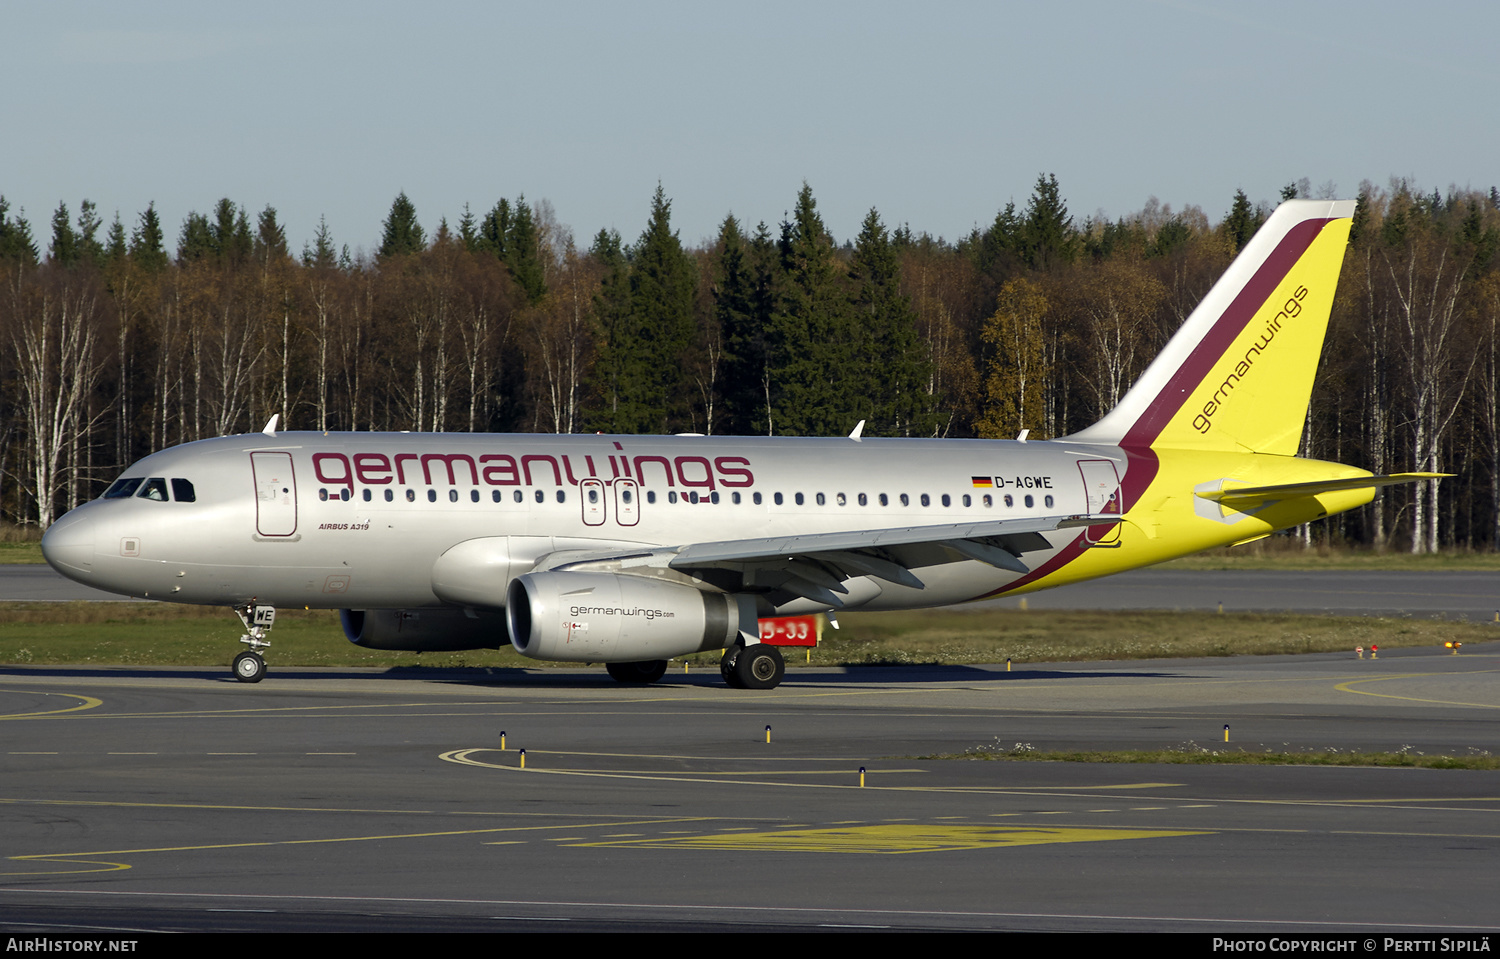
(1237, 376)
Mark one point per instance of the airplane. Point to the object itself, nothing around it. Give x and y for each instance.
(632, 550)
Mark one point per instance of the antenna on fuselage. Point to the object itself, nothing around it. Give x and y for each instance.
(270, 429)
(859, 428)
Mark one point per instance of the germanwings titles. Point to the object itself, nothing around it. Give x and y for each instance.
(630, 550)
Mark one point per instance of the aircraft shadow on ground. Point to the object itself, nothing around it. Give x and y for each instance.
(545, 678)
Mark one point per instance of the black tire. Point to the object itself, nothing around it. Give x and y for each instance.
(760, 667)
(726, 665)
(249, 667)
(637, 673)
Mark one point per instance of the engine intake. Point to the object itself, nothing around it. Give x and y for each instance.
(604, 618)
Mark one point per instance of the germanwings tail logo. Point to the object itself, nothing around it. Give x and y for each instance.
(1238, 374)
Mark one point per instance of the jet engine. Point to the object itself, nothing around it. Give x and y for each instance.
(604, 618)
(433, 630)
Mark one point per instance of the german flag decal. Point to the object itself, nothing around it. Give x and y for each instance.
(983, 482)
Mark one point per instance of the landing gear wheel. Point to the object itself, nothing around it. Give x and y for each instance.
(249, 667)
(726, 665)
(637, 673)
(759, 667)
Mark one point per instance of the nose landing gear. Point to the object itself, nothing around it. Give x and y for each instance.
(249, 666)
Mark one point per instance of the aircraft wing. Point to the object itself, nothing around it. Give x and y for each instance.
(815, 565)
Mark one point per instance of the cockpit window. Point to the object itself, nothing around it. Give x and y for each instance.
(123, 487)
(154, 488)
(182, 490)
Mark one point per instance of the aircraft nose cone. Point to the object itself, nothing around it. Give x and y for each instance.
(68, 546)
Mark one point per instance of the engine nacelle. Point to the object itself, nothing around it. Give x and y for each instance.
(416, 630)
(605, 618)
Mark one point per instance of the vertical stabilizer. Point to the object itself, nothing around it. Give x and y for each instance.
(1238, 374)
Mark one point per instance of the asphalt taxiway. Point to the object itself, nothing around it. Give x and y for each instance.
(144, 799)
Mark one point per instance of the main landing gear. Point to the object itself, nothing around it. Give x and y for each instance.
(249, 666)
(758, 666)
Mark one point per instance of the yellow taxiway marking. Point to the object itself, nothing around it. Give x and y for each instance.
(86, 702)
(100, 865)
(1348, 688)
(893, 839)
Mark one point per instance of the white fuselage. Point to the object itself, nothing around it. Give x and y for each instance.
(360, 520)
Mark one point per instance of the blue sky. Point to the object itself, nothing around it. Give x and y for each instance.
(936, 117)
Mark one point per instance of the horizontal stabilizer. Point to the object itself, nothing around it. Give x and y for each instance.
(1255, 495)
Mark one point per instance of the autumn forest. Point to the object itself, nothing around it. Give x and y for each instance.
(124, 337)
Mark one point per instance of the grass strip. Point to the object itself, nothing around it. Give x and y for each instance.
(1193, 754)
(164, 634)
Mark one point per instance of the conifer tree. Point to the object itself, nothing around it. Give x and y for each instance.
(90, 250)
(230, 232)
(468, 230)
(523, 255)
(270, 237)
(196, 241)
(494, 230)
(1000, 245)
(809, 381)
(147, 242)
(1047, 236)
(887, 366)
(115, 247)
(320, 254)
(663, 284)
(611, 315)
(64, 249)
(742, 327)
(16, 244)
(1241, 223)
(401, 233)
